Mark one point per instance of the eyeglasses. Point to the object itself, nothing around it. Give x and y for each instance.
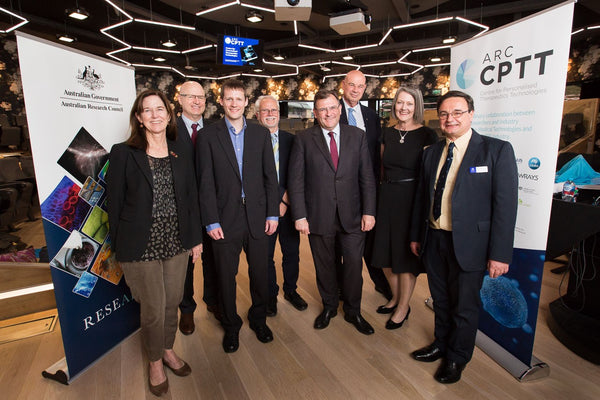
(193, 96)
(269, 111)
(455, 114)
(326, 109)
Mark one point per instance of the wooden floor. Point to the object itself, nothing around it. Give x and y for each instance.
(302, 363)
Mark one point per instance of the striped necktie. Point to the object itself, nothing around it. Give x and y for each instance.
(441, 183)
(275, 143)
(351, 118)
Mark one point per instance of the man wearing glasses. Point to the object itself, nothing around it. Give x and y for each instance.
(355, 114)
(463, 224)
(193, 102)
(332, 196)
(267, 113)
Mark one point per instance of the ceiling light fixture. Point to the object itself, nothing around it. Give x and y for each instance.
(169, 43)
(278, 57)
(160, 59)
(306, 46)
(66, 38)
(449, 40)
(435, 59)
(348, 57)
(325, 68)
(254, 16)
(258, 70)
(12, 28)
(78, 13)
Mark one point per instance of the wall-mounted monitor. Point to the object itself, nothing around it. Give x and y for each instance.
(239, 51)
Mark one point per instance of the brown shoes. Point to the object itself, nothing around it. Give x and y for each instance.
(184, 370)
(159, 389)
(186, 324)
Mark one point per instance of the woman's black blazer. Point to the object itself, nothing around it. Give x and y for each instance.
(129, 191)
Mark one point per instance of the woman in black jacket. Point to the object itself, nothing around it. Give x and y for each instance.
(154, 224)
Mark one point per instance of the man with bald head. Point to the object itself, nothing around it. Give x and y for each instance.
(355, 114)
(193, 102)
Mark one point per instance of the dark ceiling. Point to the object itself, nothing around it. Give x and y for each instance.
(48, 19)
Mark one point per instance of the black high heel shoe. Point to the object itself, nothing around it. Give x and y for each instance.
(386, 310)
(395, 325)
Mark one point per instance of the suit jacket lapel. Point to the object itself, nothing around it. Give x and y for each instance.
(317, 134)
(225, 140)
(437, 150)
(141, 159)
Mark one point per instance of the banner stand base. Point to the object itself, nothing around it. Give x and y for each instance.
(522, 372)
(59, 372)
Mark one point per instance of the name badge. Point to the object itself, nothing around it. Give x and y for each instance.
(479, 170)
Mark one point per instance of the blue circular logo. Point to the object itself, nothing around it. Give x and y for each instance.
(463, 78)
(534, 163)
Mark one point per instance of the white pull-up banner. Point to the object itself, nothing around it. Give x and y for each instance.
(517, 75)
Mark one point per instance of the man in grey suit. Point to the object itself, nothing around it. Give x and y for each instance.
(463, 224)
(239, 203)
(332, 194)
(193, 102)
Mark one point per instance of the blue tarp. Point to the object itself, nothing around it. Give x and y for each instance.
(579, 171)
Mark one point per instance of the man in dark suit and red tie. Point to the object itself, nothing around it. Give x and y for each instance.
(355, 114)
(239, 203)
(193, 102)
(267, 113)
(332, 193)
(463, 224)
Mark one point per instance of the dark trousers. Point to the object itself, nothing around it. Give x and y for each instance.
(455, 297)
(227, 256)
(323, 249)
(376, 274)
(289, 241)
(209, 272)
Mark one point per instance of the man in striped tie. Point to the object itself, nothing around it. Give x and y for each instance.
(267, 113)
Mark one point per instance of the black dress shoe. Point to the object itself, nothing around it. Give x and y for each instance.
(386, 310)
(263, 333)
(272, 307)
(231, 342)
(360, 324)
(428, 354)
(322, 321)
(186, 323)
(296, 300)
(449, 372)
(395, 325)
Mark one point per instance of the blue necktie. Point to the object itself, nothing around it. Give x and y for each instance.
(441, 183)
(351, 118)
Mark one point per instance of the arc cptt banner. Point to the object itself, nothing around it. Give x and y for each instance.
(77, 108)
(516, 76)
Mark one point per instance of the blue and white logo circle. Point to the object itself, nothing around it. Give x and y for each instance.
(228, 40)
(464, 79)
(534, 163)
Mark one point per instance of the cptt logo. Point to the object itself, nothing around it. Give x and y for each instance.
(465, 78)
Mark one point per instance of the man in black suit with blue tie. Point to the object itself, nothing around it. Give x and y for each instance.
(239, 204)
(267, 113)
(193, 102)
(463, 224)
(355, 114)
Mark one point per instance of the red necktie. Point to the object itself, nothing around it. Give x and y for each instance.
(194, 133)
(333, 150)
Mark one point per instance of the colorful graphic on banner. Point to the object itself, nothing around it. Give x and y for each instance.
(76, 109)
(516, 76)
